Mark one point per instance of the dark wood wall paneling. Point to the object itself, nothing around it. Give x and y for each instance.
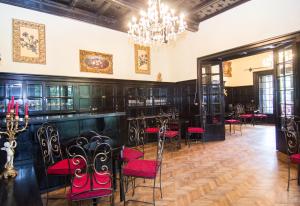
(239, 95)
(180, 97)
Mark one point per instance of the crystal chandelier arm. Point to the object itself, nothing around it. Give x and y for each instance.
(158, 25)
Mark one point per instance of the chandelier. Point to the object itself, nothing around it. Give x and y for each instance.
(158, 25)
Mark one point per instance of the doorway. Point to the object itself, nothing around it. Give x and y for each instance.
(285, 92)
(249, 88)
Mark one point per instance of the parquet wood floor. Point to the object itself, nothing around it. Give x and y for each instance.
(240, 171)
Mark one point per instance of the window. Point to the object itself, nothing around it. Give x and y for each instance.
(266, 94)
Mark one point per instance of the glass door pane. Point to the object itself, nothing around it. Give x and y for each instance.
(35, 97)
(285, 83)
(265, 85)
(212, 99)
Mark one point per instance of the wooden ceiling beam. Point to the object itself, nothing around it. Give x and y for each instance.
(104, 8)
(73, 3)
(127, 4)
(64, 10)
(200, 6)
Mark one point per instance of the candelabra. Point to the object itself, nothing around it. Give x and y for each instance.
(12, 129)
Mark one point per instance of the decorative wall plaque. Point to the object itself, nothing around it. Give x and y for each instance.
(142, 59)
(96, 62)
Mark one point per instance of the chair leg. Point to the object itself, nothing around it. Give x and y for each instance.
(47, 198)
(189, 139)
(133, 186)
(66, 184)
(124, 197)
(154, 192)
(161, 195)
(112, 199)
(241, 129)
(289, 175)
(47, 195)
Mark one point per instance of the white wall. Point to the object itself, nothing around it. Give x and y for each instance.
(250, 22)
(65, 37)
(241, 76)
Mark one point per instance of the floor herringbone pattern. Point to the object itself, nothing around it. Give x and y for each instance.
(240, 171)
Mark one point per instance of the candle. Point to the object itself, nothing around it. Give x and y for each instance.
(8, 108)
(12, 102)
(17, 109)
(26, 109)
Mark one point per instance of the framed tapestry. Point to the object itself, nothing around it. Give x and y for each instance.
(142, 59)
(29, 42)
(95, 62)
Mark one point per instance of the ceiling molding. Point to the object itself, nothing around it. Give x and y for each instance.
(114, 14)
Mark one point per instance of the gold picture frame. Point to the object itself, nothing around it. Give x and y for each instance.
(29, 42)
(95, 62)
(142, 59)
(227, 69)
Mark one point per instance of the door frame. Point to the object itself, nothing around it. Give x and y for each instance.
(256, 75)
(252, 49)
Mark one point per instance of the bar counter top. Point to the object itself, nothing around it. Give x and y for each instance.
(68, 117)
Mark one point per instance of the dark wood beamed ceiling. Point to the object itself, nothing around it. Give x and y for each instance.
(115, 14)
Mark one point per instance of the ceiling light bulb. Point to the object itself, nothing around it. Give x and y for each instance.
(143, 13)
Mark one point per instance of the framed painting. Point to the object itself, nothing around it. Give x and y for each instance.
(227, 69)
(29, 42)
(96, 62)
(142, 59)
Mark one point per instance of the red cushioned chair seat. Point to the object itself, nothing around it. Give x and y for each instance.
(101, 187)
(131, 154)
(152, 130)
(232, 121)
(171, 134)
(195, 130)
(246, 116)
(62, 167)
(295, 158)
(141, 168)
(260, 115)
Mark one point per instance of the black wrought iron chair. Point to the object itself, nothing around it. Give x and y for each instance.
(291, 133)
(152, 128)
(95, 179)
(135, 148)
(54, 163)
(173, 132)
(146, 169)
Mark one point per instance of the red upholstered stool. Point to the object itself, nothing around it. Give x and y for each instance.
(260, 117)
(173, 134)
(151, 130)
(194, 130)
(233, 122)
(174, 138)
(247, 118)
